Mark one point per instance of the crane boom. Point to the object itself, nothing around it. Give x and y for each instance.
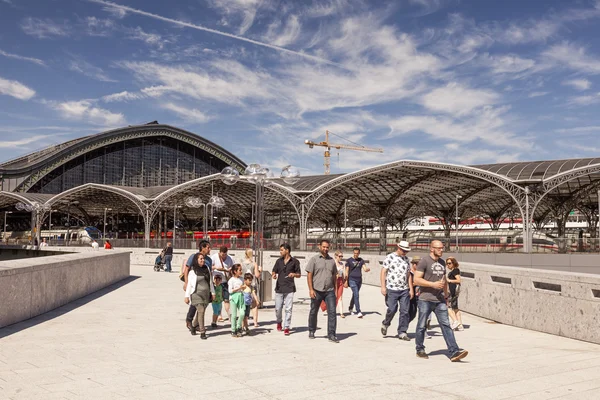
(329, 145)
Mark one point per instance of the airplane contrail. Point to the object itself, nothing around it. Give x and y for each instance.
(202, 28)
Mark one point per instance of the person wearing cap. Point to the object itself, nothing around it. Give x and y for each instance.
(397, 287)
(430, 276)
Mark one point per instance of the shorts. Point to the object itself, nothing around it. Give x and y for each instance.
(247, 312)
(454, 302)
(225, 287)
(217, 308)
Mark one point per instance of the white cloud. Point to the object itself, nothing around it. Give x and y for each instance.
(579, 84)
(192, 115)
(15, 144)
(115, 11)
(84, 110)
(574, 57)
(152, 39)
(584, 100)
(457, 99)
(98, 26)
(510, 64)
(289, 34)
(246, 9)
(537, 94)
(15, 89)
(579, 130)
(43, 28)
(89, 70)
(488, 125)
(22, 58)
(122, 96)
(325, 8)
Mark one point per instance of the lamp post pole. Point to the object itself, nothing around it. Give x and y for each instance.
(104, 224)
(458, 196)
(345, 222)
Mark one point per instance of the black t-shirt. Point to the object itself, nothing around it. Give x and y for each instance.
(355, 267)
(452, 286)
(168, 251)
(285, 284)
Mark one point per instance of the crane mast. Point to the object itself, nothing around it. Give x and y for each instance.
(328, 145)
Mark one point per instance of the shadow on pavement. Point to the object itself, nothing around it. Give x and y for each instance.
(57, 312)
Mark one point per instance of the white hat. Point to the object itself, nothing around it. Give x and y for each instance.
(404, 245)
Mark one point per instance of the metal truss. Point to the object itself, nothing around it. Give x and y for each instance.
(105, 141)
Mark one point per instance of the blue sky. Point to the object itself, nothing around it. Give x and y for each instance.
(443, 80)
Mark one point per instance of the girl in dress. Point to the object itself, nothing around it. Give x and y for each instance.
(237, 308)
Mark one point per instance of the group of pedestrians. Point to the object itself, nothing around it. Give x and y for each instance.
(418, 286)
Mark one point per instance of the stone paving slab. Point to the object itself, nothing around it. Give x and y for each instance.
(130, 341)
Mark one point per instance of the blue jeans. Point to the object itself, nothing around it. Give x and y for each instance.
(355, 286)
(315, 304)
(168, 259)
(441, 312)
(393, 298)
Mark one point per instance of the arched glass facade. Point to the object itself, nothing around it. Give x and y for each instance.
(143, 162)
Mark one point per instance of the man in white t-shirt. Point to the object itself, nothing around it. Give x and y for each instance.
(221, 265)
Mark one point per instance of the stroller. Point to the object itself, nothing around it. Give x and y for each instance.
(159, 263)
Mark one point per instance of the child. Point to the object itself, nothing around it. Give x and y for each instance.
(217, 302)
(236, 300)
(249, 298)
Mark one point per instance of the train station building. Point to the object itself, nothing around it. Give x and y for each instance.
(141, 178)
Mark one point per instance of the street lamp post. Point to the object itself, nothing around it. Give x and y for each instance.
(104, 224)
(4, 231)
(458, 196)
(345, 222)
(67, 239)
(259, 176)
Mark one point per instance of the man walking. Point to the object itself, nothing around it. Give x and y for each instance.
(286, 269)
(322, 279)
(204, 249)
(354, 268)
(430, 276)
(397, 287)
(222, 264)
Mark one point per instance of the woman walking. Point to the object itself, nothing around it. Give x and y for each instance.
(249, 266)
(341, 267)
(198, 294)
(454, 288)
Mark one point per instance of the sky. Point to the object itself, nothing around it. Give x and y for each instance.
(457, 81)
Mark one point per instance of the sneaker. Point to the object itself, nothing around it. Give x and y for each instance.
(359, 315)
(384, 330)
(203, 336)
(311, 335)
(239, 333)
(459, 355)
(234, 334)
(213, 325)
(333, 339)
(422, 354)
(286, 332)
(460, 327)
(193, 330)
(247, 330)
(279, 327)
(453, 325)
(404, 336)
(427, 335)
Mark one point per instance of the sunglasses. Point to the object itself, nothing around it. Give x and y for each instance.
(449, 262)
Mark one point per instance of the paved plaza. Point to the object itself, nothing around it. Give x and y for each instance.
(130, 341)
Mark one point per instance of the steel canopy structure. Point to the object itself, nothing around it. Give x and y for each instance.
(391, 194)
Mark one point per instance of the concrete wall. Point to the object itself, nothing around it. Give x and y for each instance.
(564, 304)
(33, 286)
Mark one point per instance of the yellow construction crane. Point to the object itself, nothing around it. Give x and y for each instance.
(329, 145)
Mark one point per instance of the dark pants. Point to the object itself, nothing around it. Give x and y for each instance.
(168, 259)
(225, 287)
(191, 313)
(329, 298)
(412, 311)
(395, 298)
(355, 287)
(441, 312)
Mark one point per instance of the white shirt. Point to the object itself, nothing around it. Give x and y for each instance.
(217, 263)
(234, 283)
(95, 245)
(398, 269)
